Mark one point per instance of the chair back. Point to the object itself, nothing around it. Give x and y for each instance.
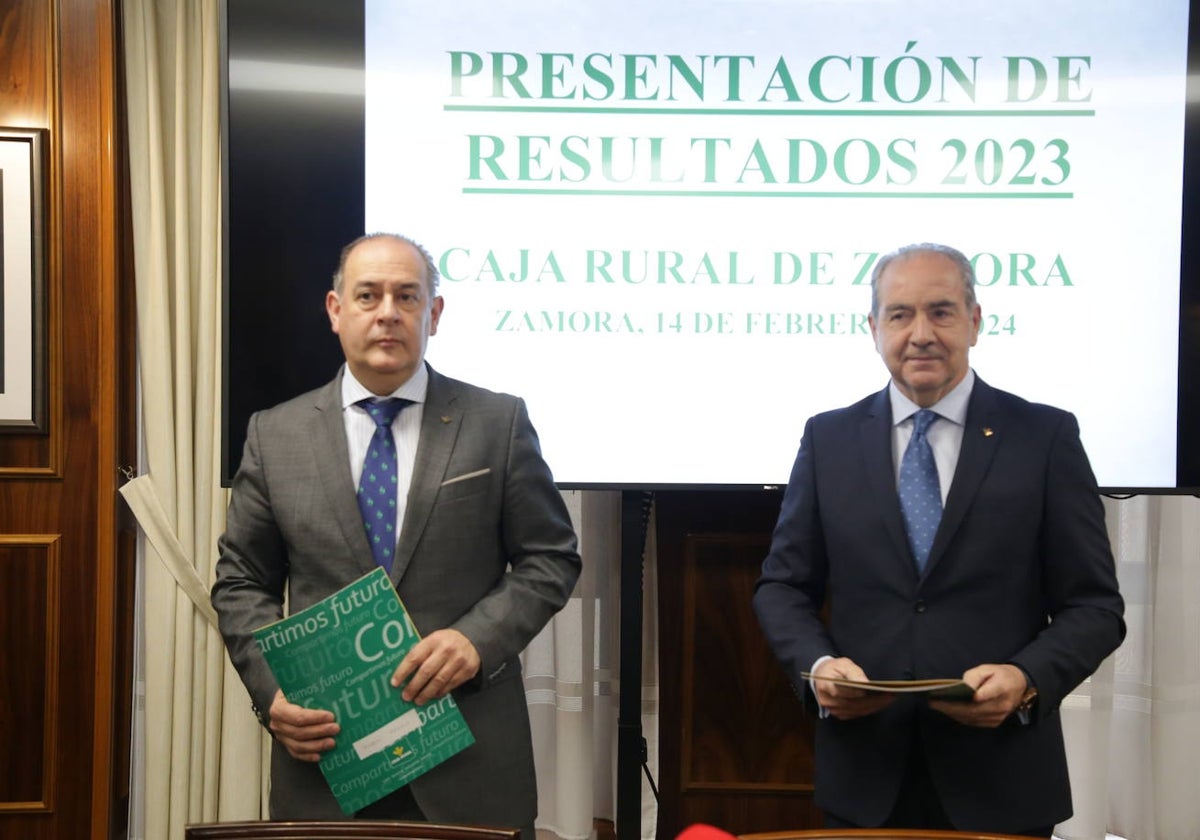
(346, 830)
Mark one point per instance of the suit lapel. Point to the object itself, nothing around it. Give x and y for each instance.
(875, 438)
(440, 423)
(981, 436)
(333, 471)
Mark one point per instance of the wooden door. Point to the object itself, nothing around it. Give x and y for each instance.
(735, 747)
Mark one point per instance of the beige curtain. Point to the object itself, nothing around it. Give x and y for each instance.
(572, 685)
(193, 720)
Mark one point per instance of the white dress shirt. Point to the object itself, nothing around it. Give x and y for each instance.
(944, 436)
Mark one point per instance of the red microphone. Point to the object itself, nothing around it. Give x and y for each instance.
(700, 831)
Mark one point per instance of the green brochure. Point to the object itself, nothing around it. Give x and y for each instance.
(339, 654)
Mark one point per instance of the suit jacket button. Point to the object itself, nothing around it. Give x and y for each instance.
(919, 607)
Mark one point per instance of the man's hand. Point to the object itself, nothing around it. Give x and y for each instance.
(843, 702)
(306, 733)
(998, 692)
(438, 664)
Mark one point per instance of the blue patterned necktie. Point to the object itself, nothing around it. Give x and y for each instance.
(377, 487)
(920, 493)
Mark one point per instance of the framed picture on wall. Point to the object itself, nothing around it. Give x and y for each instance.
(23, 386)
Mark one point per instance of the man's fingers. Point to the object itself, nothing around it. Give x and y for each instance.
(306, 750)
(987, 715)
(868, 703)
(421, 689)
(305, 733)
(409, 664)
(300, 717)
(437, 665)
(440, 674)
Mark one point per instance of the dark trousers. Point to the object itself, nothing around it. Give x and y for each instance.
(918, 804)
(397, 805)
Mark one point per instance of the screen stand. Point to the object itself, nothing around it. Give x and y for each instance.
(631, 746)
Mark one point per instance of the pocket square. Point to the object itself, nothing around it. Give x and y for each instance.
(466, 476)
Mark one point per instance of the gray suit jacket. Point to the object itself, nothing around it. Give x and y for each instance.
(486, 547)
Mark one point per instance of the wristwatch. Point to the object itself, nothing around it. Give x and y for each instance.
(1027, 700)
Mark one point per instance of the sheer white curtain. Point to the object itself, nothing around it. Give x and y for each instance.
(1133, 729)
(199, 755)
(572, 685)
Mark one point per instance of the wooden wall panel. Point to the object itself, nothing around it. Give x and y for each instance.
(735, 747)
(743, 728)
(28, 638)
(25, 75)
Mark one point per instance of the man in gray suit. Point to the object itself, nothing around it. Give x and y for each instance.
(485, 553)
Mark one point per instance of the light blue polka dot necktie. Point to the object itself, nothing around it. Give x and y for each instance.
(920, 493)
(377, 486)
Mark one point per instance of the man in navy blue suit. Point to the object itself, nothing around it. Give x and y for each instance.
(1002, 574)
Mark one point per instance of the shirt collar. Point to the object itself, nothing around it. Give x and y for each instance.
(952, 407)
(414, 389)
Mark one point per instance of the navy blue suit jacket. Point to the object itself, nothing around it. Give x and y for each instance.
(1020, 571)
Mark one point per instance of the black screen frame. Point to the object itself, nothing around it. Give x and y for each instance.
(292, 197)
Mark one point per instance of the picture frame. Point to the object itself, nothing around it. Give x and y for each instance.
(23, 348)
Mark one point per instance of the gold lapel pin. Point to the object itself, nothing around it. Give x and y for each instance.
(987, 431)
(446, 419)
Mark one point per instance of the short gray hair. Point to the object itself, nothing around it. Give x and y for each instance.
(431, 273)
(965, 270)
